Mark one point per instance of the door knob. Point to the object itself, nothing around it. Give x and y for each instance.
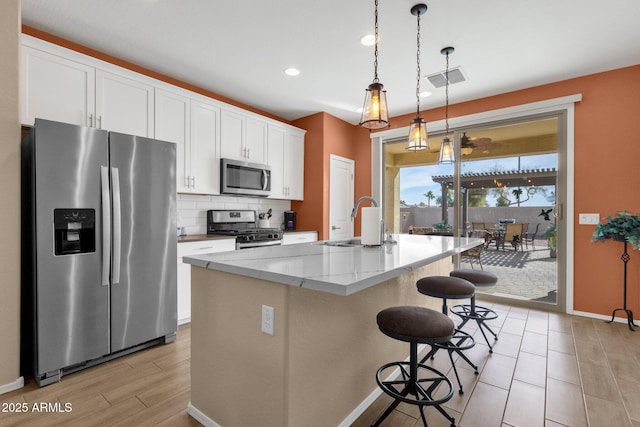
(333, 227)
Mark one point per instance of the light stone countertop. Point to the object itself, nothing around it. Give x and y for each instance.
(334, 269)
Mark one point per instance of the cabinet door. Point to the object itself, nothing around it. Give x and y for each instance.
(56, 88)
(124, 105)
(232, 135)
(299, 237)
(255, 140)
(184, 292)
(205, 165)
(294, 166)
(275, 159)
(184, 270)
(172, 124)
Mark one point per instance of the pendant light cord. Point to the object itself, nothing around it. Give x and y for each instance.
(418, 69)
(446, 91)
(375, 51)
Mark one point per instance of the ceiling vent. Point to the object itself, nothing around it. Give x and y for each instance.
(439, 79)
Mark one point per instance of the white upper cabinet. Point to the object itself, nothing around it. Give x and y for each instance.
(124, 105)
(172, 124)
(67, 86)
(256, 140)
(205, 164)
(56, 88)
(60, 88)
(286, 158)
(294, 165)
(242, 137)
(192, 125)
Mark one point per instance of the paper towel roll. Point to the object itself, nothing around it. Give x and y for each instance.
(370, 226)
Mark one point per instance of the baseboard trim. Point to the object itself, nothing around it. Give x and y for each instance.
(201, 417)
(601, 317)
(6, 388)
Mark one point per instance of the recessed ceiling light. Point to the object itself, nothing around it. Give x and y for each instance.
(368, 40)
(425, 94)
(292, 71)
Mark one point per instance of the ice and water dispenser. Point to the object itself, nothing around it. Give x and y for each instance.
(75, 231)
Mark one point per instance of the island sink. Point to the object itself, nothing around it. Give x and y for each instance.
(343, 243)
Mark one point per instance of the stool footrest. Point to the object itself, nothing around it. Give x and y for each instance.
(421, 389)
(473, 313)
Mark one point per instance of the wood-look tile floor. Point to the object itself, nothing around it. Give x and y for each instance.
(547, 369)
(148, 388)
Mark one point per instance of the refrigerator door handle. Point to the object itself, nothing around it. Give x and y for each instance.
(106, 224)
(117, 226)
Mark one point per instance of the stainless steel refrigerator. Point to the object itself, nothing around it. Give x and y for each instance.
(98, 247)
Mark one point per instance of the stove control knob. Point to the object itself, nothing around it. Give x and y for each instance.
(251, 237)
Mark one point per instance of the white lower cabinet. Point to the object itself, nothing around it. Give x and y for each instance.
(184, 270)
(292, 237)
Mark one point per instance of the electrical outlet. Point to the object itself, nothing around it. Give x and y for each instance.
(268, 314)
(588, 218)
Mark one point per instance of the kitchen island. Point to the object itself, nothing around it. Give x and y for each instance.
(318, 368)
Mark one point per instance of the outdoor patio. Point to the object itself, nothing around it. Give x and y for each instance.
(530, 274)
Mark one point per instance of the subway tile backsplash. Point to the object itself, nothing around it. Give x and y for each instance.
(192, 209)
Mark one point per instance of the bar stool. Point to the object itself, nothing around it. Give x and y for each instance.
(418, 383)
(472, 311)
(450, 288)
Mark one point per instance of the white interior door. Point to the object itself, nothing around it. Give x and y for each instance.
(340, 197)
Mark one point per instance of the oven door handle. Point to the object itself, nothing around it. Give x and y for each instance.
(247, 245)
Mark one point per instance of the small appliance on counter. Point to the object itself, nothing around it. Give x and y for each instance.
(243, 225)
(289, 220)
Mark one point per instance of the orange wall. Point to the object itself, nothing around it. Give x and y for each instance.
(606, 123)
(328, 135)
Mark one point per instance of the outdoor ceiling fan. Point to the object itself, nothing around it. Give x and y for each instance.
(467, 144)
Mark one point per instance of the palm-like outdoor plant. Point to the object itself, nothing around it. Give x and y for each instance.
(430, 196)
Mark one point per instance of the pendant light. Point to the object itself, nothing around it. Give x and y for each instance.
(375, 114)
(447, 155)
(418, 128)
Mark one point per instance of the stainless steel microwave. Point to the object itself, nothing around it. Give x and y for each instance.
(244, 178)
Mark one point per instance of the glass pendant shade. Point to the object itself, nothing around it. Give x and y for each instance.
(446, 151)
(418, 135)
(375, 114)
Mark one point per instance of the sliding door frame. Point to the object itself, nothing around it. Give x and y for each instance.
(563, 108)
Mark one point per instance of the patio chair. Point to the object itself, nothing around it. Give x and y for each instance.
(531, 237)
(478, 226)
(525, 229)
(476, 252)
(513, 235)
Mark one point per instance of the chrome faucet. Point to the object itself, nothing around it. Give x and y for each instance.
(354, 213)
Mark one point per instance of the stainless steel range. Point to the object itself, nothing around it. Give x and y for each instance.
(242, 224)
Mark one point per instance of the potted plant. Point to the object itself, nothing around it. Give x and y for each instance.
(552, 239)
(623, 226)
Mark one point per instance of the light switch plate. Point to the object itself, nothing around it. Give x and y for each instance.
(268, 314)
(589, 218)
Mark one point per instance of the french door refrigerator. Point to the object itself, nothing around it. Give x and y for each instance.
(98, 247)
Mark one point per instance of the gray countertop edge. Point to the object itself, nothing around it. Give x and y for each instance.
(326, 286)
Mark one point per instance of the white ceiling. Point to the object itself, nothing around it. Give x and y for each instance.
(239, 48)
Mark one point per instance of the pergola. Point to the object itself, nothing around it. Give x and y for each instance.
(528, 178)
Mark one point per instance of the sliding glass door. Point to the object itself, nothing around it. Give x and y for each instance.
(506, 188)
